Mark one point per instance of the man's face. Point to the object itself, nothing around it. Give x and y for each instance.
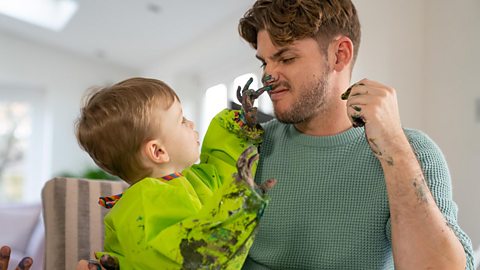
(301, 77)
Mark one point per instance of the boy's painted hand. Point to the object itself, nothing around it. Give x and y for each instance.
(24, 264)
(245, 164)
(247, 97)
(244, 170)
(106, 262)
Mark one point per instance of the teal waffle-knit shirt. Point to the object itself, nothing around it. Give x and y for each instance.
(329, 209)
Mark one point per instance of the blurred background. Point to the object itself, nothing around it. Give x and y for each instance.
(428, 50)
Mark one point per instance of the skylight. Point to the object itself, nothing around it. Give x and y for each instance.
(50, 14)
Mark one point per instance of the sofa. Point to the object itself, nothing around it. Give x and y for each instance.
(22, 229)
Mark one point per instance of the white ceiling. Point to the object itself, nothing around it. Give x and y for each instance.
(132, 33)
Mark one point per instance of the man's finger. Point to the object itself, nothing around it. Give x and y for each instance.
(346, 94)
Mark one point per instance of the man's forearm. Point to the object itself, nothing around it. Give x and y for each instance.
(421, 237)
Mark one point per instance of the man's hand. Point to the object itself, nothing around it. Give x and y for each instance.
(24, 264)
(375, 106)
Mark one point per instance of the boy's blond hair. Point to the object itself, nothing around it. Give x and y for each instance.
(116, 121)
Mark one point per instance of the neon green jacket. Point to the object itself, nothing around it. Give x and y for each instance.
(204, 219)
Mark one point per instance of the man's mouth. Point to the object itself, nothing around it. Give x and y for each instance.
(277, 91)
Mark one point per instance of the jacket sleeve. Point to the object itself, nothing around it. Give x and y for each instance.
(219, 235)
(226, 138)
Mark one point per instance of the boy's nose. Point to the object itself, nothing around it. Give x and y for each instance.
(191, 124)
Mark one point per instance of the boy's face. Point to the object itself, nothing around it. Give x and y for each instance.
(179, 137)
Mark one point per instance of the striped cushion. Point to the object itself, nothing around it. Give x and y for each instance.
(73, 219)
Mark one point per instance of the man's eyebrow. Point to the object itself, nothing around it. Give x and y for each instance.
(277, 54)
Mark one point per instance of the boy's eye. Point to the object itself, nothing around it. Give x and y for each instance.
(184, 120)
(262, 66)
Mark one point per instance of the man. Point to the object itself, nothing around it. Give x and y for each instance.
(375, 196)
(369, 197)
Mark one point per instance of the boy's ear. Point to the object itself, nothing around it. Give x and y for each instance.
(156, 152)
(342, 53)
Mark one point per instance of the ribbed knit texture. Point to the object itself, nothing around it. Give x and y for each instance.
(329, 209)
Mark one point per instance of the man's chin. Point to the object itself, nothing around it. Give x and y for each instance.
(283, 117)
(291, 116)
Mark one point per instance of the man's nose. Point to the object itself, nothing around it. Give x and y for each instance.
(268, 79)
(270, 75)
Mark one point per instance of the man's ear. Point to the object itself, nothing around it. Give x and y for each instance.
(156, 152)
(342, 48)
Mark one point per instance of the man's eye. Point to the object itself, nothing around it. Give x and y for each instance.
(262, 66)
(287, 60)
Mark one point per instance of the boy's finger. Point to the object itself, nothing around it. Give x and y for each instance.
(4, 257)
(109, 262)
(267, 185)
(88, 265)
(25, 264)
(94, 265)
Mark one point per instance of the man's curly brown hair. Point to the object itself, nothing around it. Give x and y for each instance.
(290, 20)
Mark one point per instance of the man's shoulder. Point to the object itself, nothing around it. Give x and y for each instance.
(416, 136)
(422, 143)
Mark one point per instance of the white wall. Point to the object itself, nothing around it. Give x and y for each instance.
(60, 80)
(218, 56)
(427, 50)
(452, 58)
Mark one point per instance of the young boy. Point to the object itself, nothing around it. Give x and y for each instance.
(175, 215)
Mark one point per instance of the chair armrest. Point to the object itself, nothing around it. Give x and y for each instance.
(73, 220)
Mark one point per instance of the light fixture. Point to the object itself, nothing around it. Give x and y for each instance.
(50, 14)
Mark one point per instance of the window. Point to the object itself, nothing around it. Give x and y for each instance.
(215, 101)
(51, 14)
(22, 147)
(15, 130)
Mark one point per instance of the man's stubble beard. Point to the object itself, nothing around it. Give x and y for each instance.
(311, 101)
